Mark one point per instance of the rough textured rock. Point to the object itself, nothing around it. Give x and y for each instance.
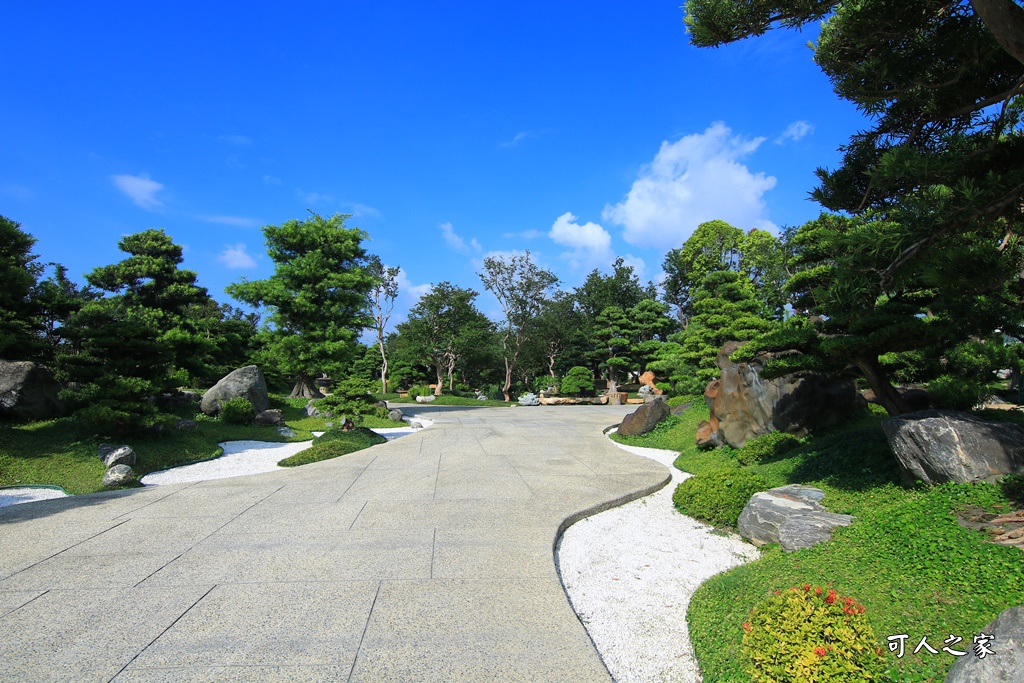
(311, 409)
(747, 406)
(647, 380)
(118, 475)
(396, 414)
(186, 424)
(573, 400)
(425, 399)
(680, 409)
(943, 445)
(177, 400)
(529, 400)
(112, 454)
(28, 391)
(645, 418)
(247, 382)
(270, 418)
(792, 516)
(1006, 664)
(286, 432)
(707, 434)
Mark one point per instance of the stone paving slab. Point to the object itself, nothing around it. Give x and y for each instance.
(428, 558)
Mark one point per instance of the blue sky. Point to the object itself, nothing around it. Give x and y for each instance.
(581, 131)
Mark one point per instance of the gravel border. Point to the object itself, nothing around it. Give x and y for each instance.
(630, 572)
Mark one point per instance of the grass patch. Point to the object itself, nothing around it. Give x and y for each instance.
(333, 444)
(905, 557)
(445, 400)
(64, 453)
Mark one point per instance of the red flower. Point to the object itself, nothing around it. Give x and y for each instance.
(807, 587)
(847, 601)
(831, 597)
(817, 590)
(820, 651)
(746, 626)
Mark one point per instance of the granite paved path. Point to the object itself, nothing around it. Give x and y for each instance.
(428, 558)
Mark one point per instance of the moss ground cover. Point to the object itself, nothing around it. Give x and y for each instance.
(446, 400)
(916, 571)
(333, 444)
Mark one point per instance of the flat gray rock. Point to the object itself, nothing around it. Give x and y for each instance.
(112, 454)
(645, 418)
(247, 382)
(791, 516)
(270, 418)
(1005, 664)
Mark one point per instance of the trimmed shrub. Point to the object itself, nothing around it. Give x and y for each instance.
(680, 400)
(237, 411)
(576, 380)
(332, 444)
(810, 634)
(718, 497)
(420, 390)
(767, 446)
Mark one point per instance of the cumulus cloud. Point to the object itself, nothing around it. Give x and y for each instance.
(315, 197)
(140, 189)
(523, 235)
(590, 244)
(795, 131)
(236, 257)
(456, 242)
(237, 221)
(695, 179)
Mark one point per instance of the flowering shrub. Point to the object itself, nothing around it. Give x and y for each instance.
(811, 635)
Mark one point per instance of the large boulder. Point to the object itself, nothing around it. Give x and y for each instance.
(791, 516)
(647, 380)
(270, 418)
(934, 446)
(747, 406)
(247, 382)
(28, 391)
(1003, 662)
(645, 418)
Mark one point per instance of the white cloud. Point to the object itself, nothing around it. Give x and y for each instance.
(695, 179)
(140, 189)
(523, 235)
(456, 242)
(238, 140)
(795, 131)
(358, 209)
(639, 267)
(590, 243)
(405, 285)
(236, 257)
(518, 138)
(237, 221)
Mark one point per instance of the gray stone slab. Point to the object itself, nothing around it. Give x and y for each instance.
(227, 499)
(392, 485)
(69, 571)
(12, 600)
(490, 630)
(496, 552)
(278, 515)
(87, 635)
(149, 535)
(268, 624)
(348, 555)
(32, 541)
(236, 674)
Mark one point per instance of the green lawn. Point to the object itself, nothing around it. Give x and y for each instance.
(905, 558)
(446, 400)
(64, 452)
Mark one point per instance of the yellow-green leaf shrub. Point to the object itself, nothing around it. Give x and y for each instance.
(812, 635)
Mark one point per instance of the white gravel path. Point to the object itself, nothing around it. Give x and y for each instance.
(630, 572)
(28, 494)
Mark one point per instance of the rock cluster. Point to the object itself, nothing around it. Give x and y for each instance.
(791, 516)
(118, 459)
(1005, 664)
(746, 406)
(936, 446)
(529, 400)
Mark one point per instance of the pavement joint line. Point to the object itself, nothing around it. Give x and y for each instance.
(178, 556)
(366, 627)
(352, 525)
(12, 611)
(153, 502)
(168, 628)
(433, 551)
(74, 545)
(351, 484)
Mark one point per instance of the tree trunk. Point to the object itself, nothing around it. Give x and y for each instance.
(508, 382)
(305, 387)
(383, 370)
(1005, 20)
(439, 387)
(885, 393)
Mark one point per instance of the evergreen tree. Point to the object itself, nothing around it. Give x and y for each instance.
(612, 332)
(382, 303)
(316, 298)
(19, 326)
